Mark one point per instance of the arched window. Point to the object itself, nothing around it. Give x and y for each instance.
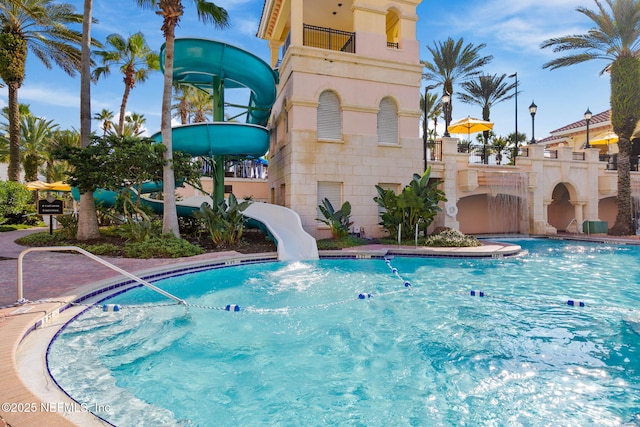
(329, 116)
(388, 122)
(393, 29)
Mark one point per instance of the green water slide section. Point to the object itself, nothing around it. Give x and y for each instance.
(216, 66)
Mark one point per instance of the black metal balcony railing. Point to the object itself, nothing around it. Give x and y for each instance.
(393, 45)
(578, 155)
(328, 38)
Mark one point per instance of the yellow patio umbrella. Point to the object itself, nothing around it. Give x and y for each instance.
(48, 186)
(604, 139)
(470, 125)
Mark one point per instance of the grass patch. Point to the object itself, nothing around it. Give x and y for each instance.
(14, 227)
(344, 242)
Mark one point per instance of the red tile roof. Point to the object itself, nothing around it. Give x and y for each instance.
(605, 116)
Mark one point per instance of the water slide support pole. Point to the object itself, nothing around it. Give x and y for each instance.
(218, 116)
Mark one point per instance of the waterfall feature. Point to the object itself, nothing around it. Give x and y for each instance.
(508, 202)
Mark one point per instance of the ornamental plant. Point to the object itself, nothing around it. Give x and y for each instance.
(338, 221)
(225, 222)
(415, 206)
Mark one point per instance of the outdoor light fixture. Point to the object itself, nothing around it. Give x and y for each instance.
(446, 99)
(424, 124)
(587, 118)
(515, 137)
(533, 108)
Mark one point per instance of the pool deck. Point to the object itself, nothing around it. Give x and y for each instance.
(63, 276)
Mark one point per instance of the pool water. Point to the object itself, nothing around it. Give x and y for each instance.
(305, 350)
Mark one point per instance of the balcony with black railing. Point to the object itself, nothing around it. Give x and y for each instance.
(328, 38)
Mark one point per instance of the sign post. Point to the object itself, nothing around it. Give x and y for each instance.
(50, 206)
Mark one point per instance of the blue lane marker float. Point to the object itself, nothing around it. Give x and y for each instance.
(110, 307)
(394, 270)
(232, 307)
(364, 295)
(477, 294)
(573, 303)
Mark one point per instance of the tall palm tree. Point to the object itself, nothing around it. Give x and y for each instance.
(171, 11)
(39, 26)
(88, 227)
(35, 139)
(486, 91)
(136, 61)
(615, 38)
(106, 117)
(454, 62)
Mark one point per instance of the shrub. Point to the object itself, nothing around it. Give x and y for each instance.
(416, 206)
(69, 225)
(166, 246)
(225, 223)
(16, 203)
(339, 221)
(452, 238)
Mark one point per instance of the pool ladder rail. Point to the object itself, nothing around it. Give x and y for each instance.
(19, 284)
(578, 228)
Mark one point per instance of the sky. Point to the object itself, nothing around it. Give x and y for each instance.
(511, 30)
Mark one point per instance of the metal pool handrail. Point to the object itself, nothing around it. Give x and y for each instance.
(93, 257)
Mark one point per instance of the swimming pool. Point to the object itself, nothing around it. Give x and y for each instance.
(310, 347)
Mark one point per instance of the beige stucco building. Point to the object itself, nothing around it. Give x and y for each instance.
(348, 107)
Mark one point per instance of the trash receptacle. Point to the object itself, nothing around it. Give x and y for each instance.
(595, 227)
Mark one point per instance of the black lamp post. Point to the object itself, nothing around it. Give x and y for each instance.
(587, 118)
(424, 123)
(533, 108)
(446, 101)
(515, 137)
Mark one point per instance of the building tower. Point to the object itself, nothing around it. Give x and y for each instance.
(347, 114)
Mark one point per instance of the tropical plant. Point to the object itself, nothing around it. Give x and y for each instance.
(194, 104)
(224, 222)
(135, 60)
(433, 111)
(338, 221)
(106, 117)
(56, 170)
(35, 140)
(486, 91)
(415, 206)
(15, 202)
(171, 11)
(134, 125)
(42, 27)
(614, 38)
(454, 62)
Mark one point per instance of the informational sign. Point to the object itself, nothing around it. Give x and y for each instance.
(50, 207)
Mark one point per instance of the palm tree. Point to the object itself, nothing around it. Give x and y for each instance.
(55, 170)
(106, 117)
(486, 91)
(41, 27)
(35, 139)
(88, 227)
(171, 11)
(134, 58)
(454, 62)
(133, 125)
(614, 38)
(433, 111)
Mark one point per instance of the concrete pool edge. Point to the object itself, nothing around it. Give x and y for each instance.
(48, 317)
